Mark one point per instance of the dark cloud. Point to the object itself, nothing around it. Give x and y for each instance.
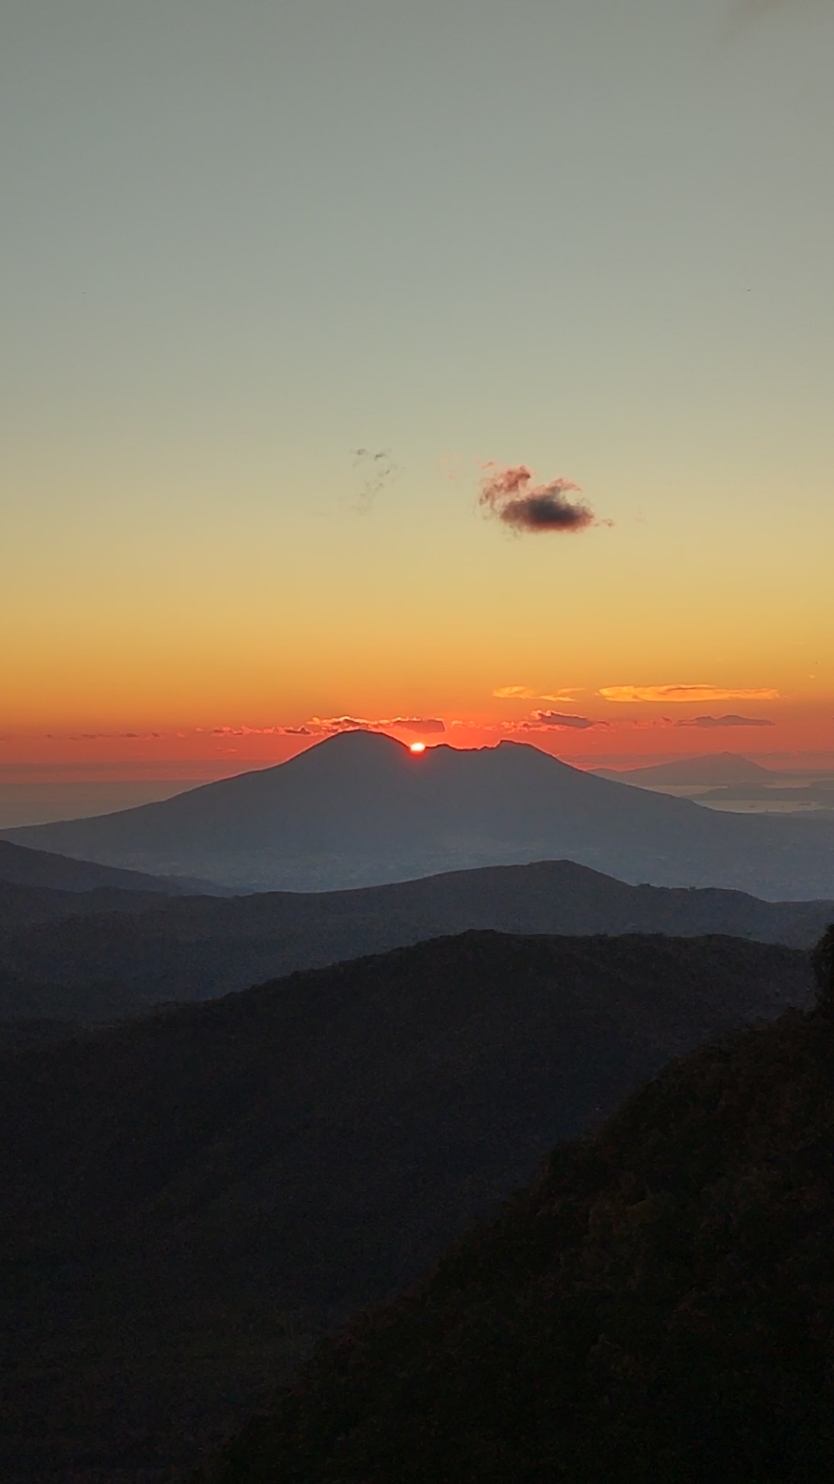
(510, 494)
(417, 723)
(378, 469)
(725, 721)
(557, 719)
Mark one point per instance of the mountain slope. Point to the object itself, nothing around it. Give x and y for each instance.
(186, 1199)
(360, 809)
(195, 948)
(659, 1304)
(25, 865)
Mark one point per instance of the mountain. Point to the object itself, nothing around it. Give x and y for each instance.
(361, 809)
(715, 768)
(194, 948)
(25, 866)
(657, 1304)
(188, 1199)
(24, 906)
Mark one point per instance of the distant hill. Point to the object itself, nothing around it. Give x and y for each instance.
(25, 866)
(22, 906)
(187, 1199)
(714, 768)
(658, 1304)
(197, 947)
(360, 809)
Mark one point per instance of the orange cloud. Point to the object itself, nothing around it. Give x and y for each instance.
(526, 693)
(684, 694)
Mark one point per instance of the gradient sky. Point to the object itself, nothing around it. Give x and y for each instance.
(244, 241)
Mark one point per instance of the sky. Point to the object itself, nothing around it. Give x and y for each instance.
(463, 370)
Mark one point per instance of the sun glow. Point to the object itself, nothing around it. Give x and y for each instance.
(417, 747)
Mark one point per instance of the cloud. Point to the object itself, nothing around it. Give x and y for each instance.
(684, 694)
(329, 725)
(245, 731)
(724, 721)
(378, 469)
(557, 719)
(416, 723)
(526, 693)
(105, 736)
(510, 494)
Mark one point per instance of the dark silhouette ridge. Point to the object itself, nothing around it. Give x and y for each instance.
(196, 948)
(187, 1199)
(657, 1304)
(360, 809)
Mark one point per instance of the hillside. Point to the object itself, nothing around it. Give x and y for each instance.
(188, 1199)
(24, 865)
(196, 948)
(658, 1304)
(360, 809)
(27, 906)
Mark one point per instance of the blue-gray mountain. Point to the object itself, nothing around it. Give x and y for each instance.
(360, 809)
(93, 956)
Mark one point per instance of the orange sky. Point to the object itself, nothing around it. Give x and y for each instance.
(305, 308)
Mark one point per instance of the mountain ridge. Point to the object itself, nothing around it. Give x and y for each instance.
(705, 768)
(188, 1199)
(360, 809)
(657, 1303)
(193, 948)
(24, 865)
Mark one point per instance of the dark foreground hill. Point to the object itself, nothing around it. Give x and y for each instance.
(360, 809)
(659, 1304)
(195, 948)
(187, 1199)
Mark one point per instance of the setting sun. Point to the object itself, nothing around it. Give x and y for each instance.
(417, 747)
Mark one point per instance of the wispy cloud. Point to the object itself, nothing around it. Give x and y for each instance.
(558, 720)
(104, 736)
(329, 725)
(377, 469)
(526, 693)
(417, 723)
(510, 494)
(684, 694)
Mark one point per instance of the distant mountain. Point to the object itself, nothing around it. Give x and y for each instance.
(24, 866)
(22, 906)
(658, 1304)
(187, 1199)
(715, 768)
(194, 948)
(360, 809)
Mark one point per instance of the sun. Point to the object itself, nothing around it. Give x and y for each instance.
(416, 746)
